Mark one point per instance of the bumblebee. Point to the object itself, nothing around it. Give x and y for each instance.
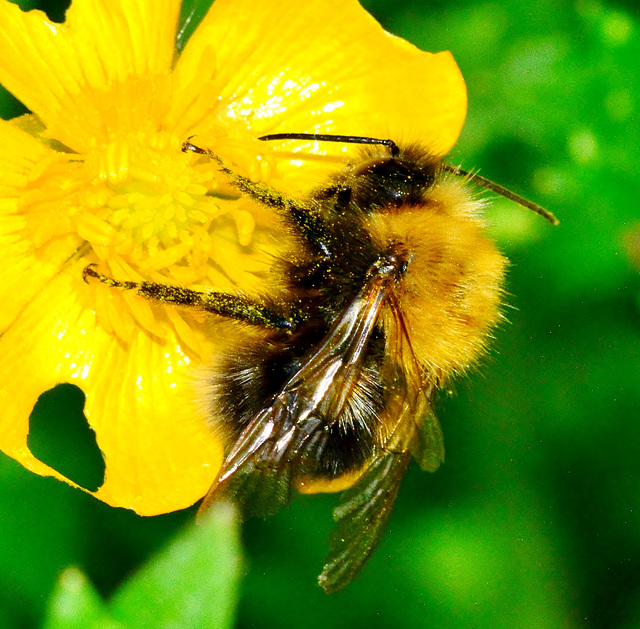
(392, 289)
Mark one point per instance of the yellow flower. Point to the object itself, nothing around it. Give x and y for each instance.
(96, 174)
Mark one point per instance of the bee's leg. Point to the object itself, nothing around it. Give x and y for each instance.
(224, 304)
(304, 214)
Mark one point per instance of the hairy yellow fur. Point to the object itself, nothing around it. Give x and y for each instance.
(449, 297)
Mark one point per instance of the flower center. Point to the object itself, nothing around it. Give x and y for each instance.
(148, 204)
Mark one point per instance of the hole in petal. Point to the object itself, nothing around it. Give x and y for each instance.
(60, 437)
(55, 9)
(10, 106)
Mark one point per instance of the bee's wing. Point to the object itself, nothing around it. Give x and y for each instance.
(363, 512)
(427, 446)
(259, 481)
(273, 450)
(416, 426)
(365, 508)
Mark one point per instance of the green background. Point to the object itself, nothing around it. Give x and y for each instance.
(533, 519)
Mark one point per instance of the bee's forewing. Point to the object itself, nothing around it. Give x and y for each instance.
(275, 449)
(410, 429)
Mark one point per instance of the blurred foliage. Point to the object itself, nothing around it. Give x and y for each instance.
(192, 583)
(533, 519)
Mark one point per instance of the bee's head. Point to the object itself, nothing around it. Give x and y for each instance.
(392, 179)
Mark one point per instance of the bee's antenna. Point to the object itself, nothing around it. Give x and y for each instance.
(501, 190)
(323, 137)
(393, 147)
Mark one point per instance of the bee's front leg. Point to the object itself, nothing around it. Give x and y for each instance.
(223, 304)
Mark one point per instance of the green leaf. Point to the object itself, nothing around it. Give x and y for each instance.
(193, 583)
(76, 605)
(192, 13)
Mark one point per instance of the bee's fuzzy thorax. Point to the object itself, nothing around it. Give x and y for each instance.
(449, 297)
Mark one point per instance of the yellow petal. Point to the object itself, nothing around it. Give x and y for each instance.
(49, 66)
(24, 271)
(319, 65)
(159, 453)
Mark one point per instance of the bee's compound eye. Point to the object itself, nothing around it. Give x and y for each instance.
(392, 183)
